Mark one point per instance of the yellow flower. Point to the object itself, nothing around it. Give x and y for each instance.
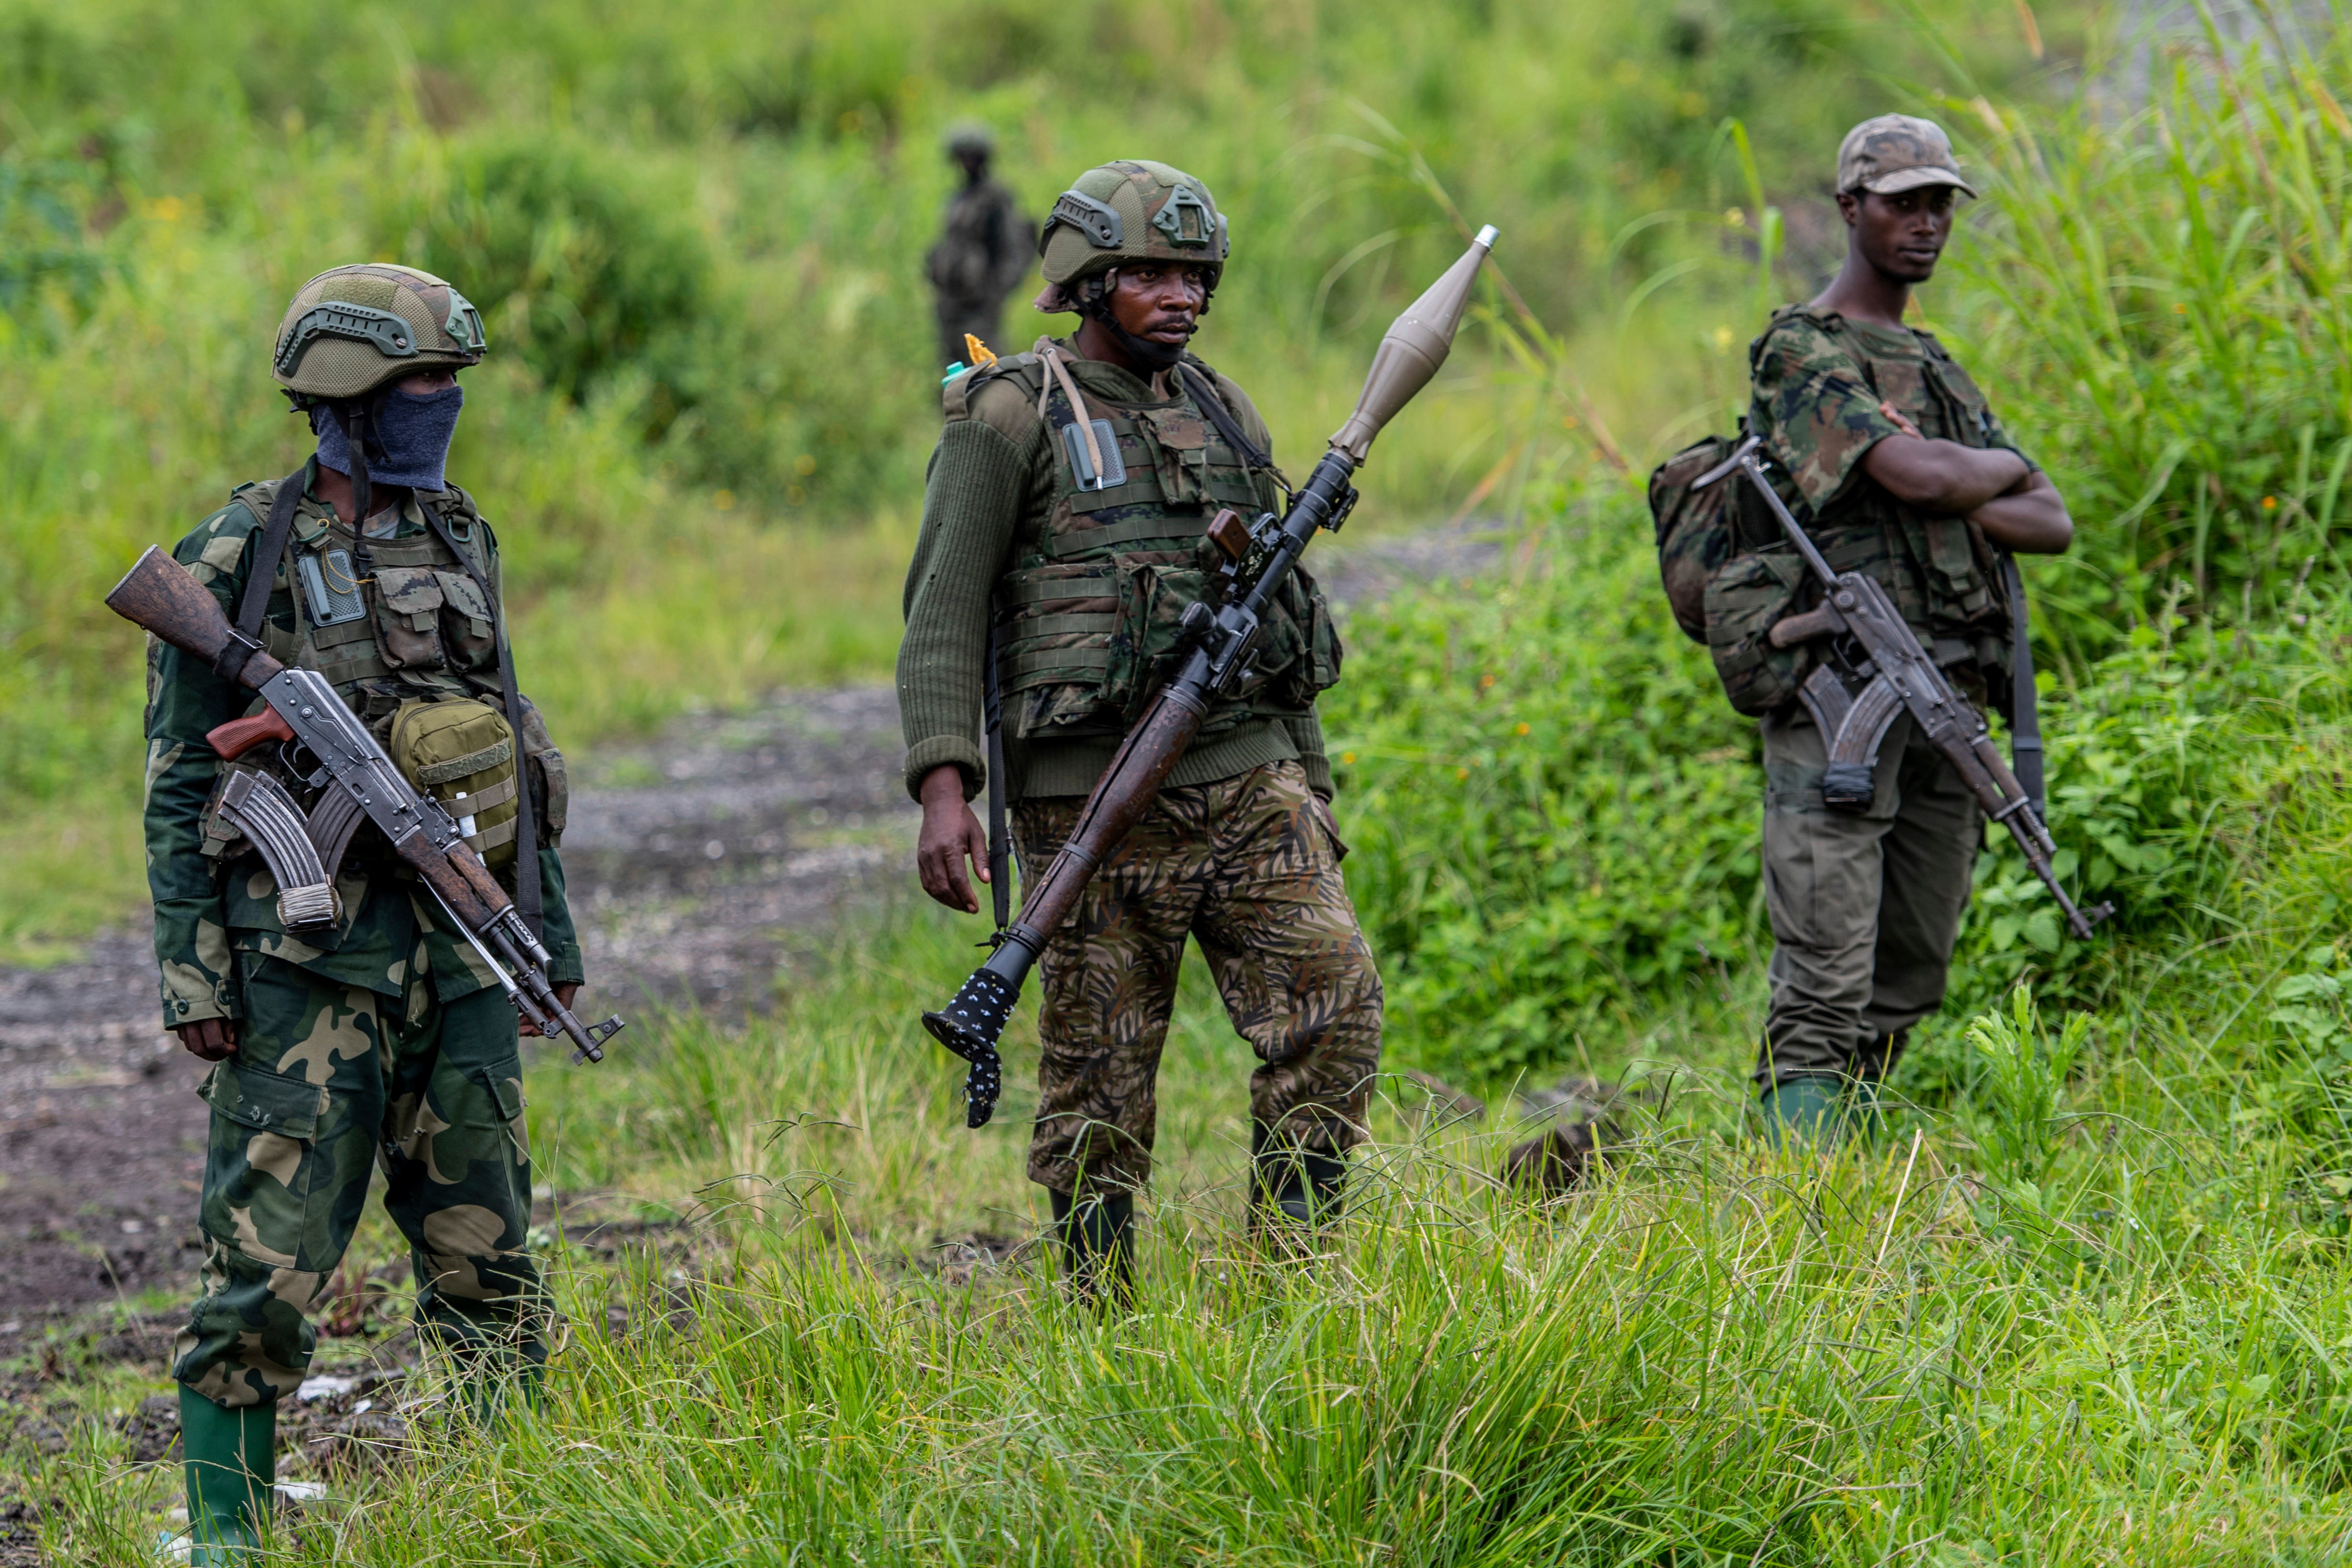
(1347, 758)
(1460, 773)
(1524, 728)
(2270, 503)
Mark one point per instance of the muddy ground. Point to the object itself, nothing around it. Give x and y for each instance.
(689, 862)
(692, 862)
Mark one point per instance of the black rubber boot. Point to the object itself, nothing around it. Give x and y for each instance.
(231, 1474)
(1293, 1191)
(1095, 1237)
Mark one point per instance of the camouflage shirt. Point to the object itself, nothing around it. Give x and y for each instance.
(208, 906)
(1819, 379)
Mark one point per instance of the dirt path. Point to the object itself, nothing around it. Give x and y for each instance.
(689, 860)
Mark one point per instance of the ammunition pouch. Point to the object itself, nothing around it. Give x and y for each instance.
(461, 752)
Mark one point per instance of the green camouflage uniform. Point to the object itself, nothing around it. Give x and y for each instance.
(1238, 852)
(382, 1038)
(1866, 908)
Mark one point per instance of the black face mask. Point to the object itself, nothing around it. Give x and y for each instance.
(408, 438)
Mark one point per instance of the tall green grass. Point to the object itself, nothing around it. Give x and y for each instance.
(2086, 1317)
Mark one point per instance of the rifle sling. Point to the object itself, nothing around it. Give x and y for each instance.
(1204, 394)
(527, 896)
(2025, 719)
(269, 551)
(999, 886)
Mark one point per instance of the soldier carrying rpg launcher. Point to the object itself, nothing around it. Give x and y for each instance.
(1159, 653)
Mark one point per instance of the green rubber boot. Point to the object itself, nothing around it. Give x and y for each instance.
(232, 1468)
(1809, 1110)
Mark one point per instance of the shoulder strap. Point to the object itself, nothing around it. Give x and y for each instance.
(1205, 393)
(527, 896)
(269, 549)
(2025, 717)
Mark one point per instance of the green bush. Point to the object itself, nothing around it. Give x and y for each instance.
(573, 257)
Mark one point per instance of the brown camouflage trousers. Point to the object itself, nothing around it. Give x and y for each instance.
(1249, 867)
(329, 1082)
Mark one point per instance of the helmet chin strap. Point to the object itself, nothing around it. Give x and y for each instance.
(355, 432)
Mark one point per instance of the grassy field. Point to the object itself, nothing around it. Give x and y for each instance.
(2085, 1301)
(697, 232)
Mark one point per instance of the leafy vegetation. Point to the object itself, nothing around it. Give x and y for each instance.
(2085, 1301)
(697, 230)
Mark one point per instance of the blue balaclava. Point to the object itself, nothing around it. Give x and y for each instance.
(407, 437)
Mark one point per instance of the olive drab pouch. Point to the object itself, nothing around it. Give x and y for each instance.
(461, 752)
(408, 602)
(1145, 637)
(1746, 597)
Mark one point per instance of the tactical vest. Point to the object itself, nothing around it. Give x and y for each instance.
(393, 623)
(1932, 566)
(1087, 616)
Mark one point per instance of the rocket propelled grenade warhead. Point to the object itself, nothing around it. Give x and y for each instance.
(1412, 351)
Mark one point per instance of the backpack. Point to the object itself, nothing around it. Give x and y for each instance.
(1729, 576)
(1695, 529)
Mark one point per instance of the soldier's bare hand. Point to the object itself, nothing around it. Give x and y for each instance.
(951, 834)
(563, 994)
(1900, 421)
(208, 1039)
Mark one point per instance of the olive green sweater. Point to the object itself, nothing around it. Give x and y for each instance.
(991, 482)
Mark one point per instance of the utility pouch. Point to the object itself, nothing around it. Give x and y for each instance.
(1694, 529)
(1305, 663)
(408, 601)
(1152, 599)
(1746, 597)
(219, 840)
(461, 752)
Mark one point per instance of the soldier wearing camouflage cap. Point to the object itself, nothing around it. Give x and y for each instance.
(1899, 468)
(984, 249)
(381, 1039)
(1064, 535)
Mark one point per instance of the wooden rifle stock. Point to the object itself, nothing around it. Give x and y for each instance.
(158, 595)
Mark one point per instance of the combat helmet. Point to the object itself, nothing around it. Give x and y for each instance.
(352, 329)
(1128, 211)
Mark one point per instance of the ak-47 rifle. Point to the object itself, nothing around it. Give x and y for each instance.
(1221, 643)
(356, 780)
(1875, 668)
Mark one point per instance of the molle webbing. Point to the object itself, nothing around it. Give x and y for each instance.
(1078, 540)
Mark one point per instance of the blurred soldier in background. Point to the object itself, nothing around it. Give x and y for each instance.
(381, 1040)
(984, 249)
(1911, 479)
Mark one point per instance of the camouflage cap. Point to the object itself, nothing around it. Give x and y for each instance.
(1128, 211)
(1898, 153)
(352, 329)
